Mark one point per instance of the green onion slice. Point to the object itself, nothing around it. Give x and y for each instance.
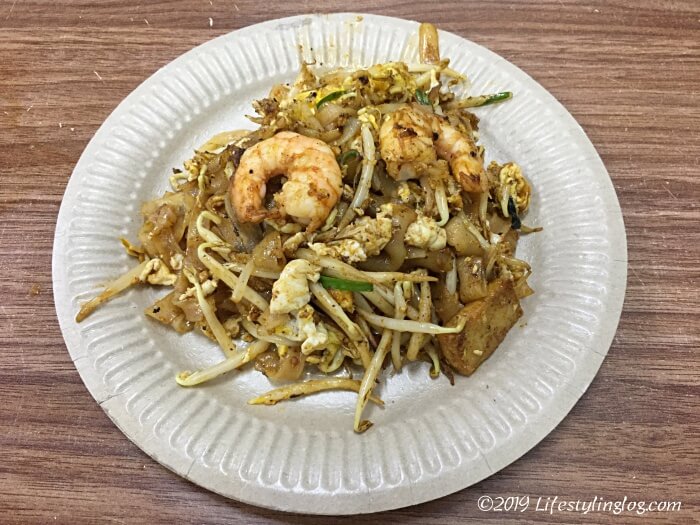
(422, 97)
(329, 98)
(486, 100)
(344, 284)
(347, 156)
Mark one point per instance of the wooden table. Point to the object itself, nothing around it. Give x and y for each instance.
(628, 71)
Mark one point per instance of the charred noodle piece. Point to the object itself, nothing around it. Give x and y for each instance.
(333, 309)
(472, 279)
(369, 379)
(233, 362)
(309, 387)
(463, 239)
(410, 326)
(112, 289)
(218, 271)
(215, 325)
(486, 323)
(428, 44)
(471, 228)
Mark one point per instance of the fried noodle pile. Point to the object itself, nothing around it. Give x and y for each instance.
(350, 227)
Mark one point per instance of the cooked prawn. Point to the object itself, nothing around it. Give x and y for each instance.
(313, 186)
(406, 136)
(413, 136)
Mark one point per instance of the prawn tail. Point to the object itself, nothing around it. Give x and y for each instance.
(314, 225)
(472, 182)
(258, 216)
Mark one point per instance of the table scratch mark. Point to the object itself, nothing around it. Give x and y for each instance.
(670, 193)
(12, 8)
(637, 276)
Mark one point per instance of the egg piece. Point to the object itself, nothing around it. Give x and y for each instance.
(425, 233)
(291, 291)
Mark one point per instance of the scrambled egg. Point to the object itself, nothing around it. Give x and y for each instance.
(344, 299)
(290, 294)
(362, 239)
(176, 261)
(425, 233)
(348, 249)
(512, 184)
(404, 192)
(373, 234)
(155, 272)
(315, 335)
(392, 77)
(232, 326)
(208, 288)
(291, 291)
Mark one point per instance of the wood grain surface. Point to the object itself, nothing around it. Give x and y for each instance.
(629, 73)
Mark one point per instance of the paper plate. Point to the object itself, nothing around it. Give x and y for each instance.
(431, 439)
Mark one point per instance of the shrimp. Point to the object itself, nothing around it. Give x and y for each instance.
(406, 136)
(412, 136)
(313, 186)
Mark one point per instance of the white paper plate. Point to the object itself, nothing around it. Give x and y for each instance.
(431, 439)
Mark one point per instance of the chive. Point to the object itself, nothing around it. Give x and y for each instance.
(513, 212)
(347, 156)
(344, 284)
(422, 97)
(485, 100)
(497, 97)
(329, 97)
